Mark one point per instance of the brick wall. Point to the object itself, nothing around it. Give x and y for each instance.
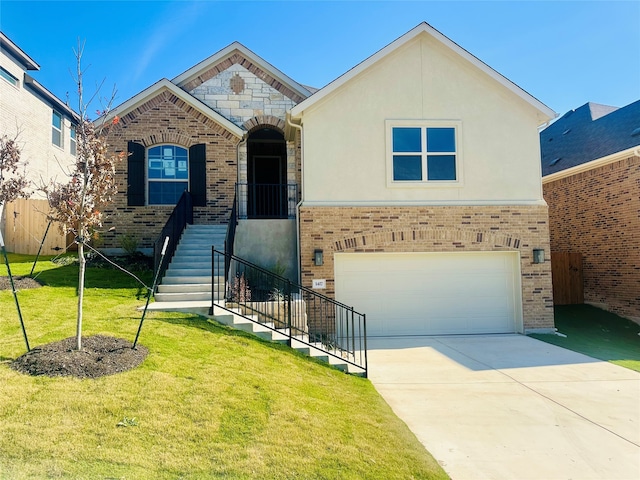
(597, 213)
(167, 119)
(434, 229)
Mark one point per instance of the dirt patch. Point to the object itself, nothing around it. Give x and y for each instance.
(100, 355)
(21, 283)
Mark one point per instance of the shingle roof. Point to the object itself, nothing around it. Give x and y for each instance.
(587, 133)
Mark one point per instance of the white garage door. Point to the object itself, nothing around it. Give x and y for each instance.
(432, 293)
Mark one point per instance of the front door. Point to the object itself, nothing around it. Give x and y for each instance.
(267, 175)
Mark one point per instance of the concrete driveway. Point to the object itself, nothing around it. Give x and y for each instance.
(512, 407)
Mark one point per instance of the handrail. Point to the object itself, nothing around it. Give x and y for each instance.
(180, 217)
(231, 233)
(300, 313)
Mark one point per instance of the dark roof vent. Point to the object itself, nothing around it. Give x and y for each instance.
(554, 161)
(636, 132)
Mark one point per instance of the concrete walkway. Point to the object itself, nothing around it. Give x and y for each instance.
(512, 407)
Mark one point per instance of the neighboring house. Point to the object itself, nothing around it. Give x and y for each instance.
(591, 181)
(417, 174)
(44, 128)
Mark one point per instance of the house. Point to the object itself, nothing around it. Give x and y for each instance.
(591, 181)
(44, 127)
(409, 187)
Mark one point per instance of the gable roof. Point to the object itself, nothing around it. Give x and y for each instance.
(423, 28)
(588, 133)
(238, 53)
(50, 98)
(165, 85)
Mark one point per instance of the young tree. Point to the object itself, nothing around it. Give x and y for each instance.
(13, 184)
(77, 204)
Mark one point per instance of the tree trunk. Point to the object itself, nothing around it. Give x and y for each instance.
(81, 271)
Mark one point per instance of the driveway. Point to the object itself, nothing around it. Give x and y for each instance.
(512, 407)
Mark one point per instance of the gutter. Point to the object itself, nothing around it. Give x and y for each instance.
(614, 157)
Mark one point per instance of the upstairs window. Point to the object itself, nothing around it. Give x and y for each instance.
(56, 129)
(423, 152)
(8, 77)
(72, 140)
(167, 174)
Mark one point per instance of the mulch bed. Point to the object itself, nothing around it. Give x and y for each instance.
(21, 283)
(100, 355)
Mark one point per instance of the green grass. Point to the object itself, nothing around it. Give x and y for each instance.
(208, 402)
(597, 333)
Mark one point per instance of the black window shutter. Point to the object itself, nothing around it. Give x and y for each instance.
(135, 175)
(198, 174)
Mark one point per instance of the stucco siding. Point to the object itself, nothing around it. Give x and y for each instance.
(345, 133)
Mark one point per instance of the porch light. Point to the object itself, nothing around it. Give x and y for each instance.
(318, 257)
(538, 255)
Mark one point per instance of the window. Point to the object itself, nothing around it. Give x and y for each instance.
(72, 140)
(8, 77)
(167, 174)
(56, 129)
(423, 152)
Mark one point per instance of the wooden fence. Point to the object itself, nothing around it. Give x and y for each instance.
(568, 281)
(24, 226)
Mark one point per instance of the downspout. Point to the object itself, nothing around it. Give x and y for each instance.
(243, 141)
(299, 128)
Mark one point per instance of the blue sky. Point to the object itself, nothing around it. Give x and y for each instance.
(565, 53)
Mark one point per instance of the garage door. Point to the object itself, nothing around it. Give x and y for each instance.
(432, 293)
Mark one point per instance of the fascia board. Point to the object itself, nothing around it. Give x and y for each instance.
(28, 62)
(407, 37)
(599, 162)
(194, 71)
(50, 98)
(158, 88)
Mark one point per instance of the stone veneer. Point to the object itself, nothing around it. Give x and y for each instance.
(167, 119)
(434, 229)
(257, 98)
(597, 213)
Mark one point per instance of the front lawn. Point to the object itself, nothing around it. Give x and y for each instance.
(597, 333)
(208, 401)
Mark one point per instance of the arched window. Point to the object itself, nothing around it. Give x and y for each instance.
(167, 174)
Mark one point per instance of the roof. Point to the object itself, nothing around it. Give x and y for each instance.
(588, 133)
(423, 28)
(162, 85)
(7, 45)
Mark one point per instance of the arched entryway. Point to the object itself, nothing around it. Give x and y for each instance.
(266, 174)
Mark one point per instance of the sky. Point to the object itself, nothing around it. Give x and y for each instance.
(564, 53)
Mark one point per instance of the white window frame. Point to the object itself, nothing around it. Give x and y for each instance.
(73, 144)
(9, 78)
(149, 180)
(59, 130)
(424, 125)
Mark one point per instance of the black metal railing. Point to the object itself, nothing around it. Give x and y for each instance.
(298, 312)
(230, 238)
(257, 200)
(181, 216)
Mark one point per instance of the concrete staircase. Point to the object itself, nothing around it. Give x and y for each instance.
(187, 286)
(188, 277)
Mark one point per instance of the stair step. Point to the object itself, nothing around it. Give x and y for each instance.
(183, 297)
(184, 287)
(188, 272)
(170, 279)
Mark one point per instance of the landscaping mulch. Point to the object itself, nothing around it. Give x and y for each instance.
(21, 283)
(100, 355)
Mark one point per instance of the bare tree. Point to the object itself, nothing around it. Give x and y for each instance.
(13, 182)
(77, 204)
